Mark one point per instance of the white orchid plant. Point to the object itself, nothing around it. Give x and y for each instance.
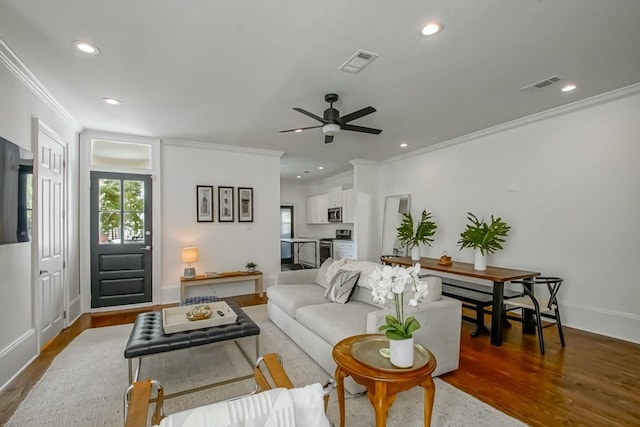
(390, 284)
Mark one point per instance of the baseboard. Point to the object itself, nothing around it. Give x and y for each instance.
(17, 356)
(615, 324)
(75, 310)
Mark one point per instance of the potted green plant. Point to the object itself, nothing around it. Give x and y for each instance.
(251, 266)
(411, 236)
(484, 238)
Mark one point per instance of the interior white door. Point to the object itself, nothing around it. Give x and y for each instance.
(50, 234)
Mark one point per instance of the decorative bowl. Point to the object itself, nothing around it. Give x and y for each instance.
(199, 312)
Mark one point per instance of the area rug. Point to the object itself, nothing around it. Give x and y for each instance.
(85, 384)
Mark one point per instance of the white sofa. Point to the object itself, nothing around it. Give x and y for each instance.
(297, 305)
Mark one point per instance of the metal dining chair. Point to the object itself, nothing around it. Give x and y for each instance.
(544, 305)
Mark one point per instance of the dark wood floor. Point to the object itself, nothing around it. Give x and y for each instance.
(593, 381)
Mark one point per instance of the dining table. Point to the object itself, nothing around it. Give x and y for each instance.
(497, 275)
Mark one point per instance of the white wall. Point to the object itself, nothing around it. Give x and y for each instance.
(574, 212)
(19, 105)
(222, 246)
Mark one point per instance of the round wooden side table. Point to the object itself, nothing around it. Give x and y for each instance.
(382, 383)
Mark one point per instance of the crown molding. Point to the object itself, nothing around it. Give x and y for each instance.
(221, 147)
(22, 72)
(554, 112)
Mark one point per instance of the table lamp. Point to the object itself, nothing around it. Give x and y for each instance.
(189, 255)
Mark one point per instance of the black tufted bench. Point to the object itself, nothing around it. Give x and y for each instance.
(148, 337)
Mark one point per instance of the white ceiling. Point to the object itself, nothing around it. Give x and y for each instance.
(229, 72)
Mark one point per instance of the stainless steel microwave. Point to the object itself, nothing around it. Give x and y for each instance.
(335, 214)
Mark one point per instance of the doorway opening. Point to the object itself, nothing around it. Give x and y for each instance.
(286, 232)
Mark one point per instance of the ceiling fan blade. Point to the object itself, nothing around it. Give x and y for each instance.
(295, 129)
(313, 116)
(328, 139)
(361, 129)
(357, 114)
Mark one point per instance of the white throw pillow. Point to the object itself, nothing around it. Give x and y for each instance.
(366, 268)
(333, 270)
(322, 272)
(342, 286)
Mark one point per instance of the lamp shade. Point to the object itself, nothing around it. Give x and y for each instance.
(189, 254)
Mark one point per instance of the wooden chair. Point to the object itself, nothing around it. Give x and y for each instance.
(268, 373)
(544, 305)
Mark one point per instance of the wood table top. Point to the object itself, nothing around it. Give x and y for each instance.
(495, 274)
(343, 357)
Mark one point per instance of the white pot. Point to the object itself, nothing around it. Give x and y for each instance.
(415, 253)
(479, 260)
(401, 352)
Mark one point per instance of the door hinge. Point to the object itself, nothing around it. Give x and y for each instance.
(64, 314)
(64, 264)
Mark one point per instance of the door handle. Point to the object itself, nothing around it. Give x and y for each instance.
(44, 272)
(146, 248)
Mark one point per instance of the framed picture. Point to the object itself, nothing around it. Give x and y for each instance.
(245, 204)
(225, 204)
(204, 203)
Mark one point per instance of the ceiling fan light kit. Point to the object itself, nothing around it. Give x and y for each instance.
(331, 129)
(333, 123)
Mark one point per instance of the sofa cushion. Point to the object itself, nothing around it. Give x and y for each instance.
(363, 295)
(366, 268)
(291, 297)
(322, 272)
(342, 286)
(333, 322)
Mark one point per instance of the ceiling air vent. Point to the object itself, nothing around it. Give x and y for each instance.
(542, 84)
(358, 61)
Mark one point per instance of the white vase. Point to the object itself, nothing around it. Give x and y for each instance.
(401, 352)
(479, 260)
(415, 253)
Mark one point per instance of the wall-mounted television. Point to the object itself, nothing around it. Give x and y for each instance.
(16, 193)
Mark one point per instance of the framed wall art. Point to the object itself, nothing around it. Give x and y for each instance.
(225, 204)
(245, 204)
(204, 203)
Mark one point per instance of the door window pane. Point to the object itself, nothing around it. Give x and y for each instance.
(133, 211)
(109, 204)
(109, 223)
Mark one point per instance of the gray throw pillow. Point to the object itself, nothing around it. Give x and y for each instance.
(342, 286)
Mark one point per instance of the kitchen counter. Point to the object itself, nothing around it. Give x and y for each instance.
(297, 244)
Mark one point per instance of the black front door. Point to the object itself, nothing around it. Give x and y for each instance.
(120, 239)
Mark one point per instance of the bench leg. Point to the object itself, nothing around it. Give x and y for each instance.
(480, 328)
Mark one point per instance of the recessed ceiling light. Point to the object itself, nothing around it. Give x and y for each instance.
(404, 145)
(111, 101)
(431, 28)
(298, 130)
(86, 47)
(321, 168)
(299, 176)
(569, 87)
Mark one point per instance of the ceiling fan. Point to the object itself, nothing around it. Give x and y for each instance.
(332, 123)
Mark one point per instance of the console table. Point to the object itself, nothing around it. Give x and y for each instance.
(497, 275)
(226, 277)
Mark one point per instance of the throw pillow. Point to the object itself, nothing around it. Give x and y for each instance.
(342, 286)
(333, 269)
(322, 272)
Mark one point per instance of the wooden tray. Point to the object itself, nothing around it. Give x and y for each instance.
(174, 319)
(367, 351)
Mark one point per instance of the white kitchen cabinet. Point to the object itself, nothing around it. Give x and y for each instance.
(348, 206)
(344, 249)
(317, 207)
(335, 197)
